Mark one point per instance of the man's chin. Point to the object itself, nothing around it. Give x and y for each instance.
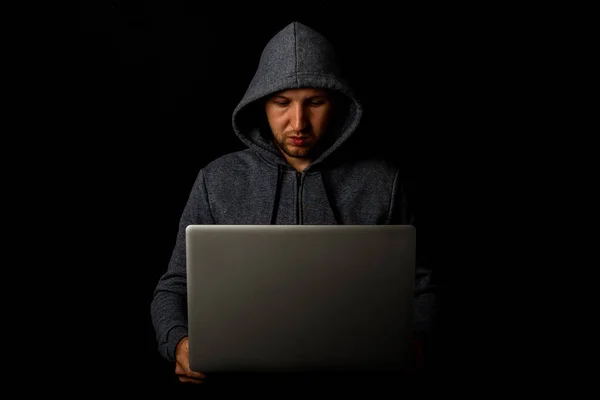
(298, 153)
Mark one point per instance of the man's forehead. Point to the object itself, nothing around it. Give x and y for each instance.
(302, 93)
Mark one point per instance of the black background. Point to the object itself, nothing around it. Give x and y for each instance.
(156, 84)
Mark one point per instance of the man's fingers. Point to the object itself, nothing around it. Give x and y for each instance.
(193, 374)
(188, 373)
(184, 379)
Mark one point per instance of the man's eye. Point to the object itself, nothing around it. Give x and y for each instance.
(281, 103)
(317, 103)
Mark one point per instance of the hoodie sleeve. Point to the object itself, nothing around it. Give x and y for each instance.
(403, 212)
(169, 305)
(425, 291)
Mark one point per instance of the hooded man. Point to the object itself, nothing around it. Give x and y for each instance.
(295, 116)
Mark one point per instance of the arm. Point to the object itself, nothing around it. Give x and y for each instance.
(403, 212)
(169, 305)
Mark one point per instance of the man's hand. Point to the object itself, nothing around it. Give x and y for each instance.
(182, 364)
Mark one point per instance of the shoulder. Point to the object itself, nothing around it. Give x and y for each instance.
(377, 165)
(229, 160)
(368, 168)
(231, 164)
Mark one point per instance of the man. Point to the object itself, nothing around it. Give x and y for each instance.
(295, 117)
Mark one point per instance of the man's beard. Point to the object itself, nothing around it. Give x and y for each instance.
(304, 152)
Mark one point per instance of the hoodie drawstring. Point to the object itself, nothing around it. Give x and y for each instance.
(326, 185)
(336, 214)
(277, 195)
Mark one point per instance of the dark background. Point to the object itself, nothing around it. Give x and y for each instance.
(156, 84)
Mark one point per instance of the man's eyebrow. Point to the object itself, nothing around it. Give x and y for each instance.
(278, 97)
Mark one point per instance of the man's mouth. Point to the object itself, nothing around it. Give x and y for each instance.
(298, 140)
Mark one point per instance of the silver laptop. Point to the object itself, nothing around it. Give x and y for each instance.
(300, 298)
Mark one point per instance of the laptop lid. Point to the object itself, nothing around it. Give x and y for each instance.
(300, 298)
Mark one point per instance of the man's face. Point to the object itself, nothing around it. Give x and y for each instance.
(298, 119)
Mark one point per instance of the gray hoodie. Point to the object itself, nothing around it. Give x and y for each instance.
(258, 186)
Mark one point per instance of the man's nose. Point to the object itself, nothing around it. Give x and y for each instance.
(298, 118)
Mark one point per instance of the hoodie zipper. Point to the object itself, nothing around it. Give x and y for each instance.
(299, 181)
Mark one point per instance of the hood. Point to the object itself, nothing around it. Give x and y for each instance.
(296, 57)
